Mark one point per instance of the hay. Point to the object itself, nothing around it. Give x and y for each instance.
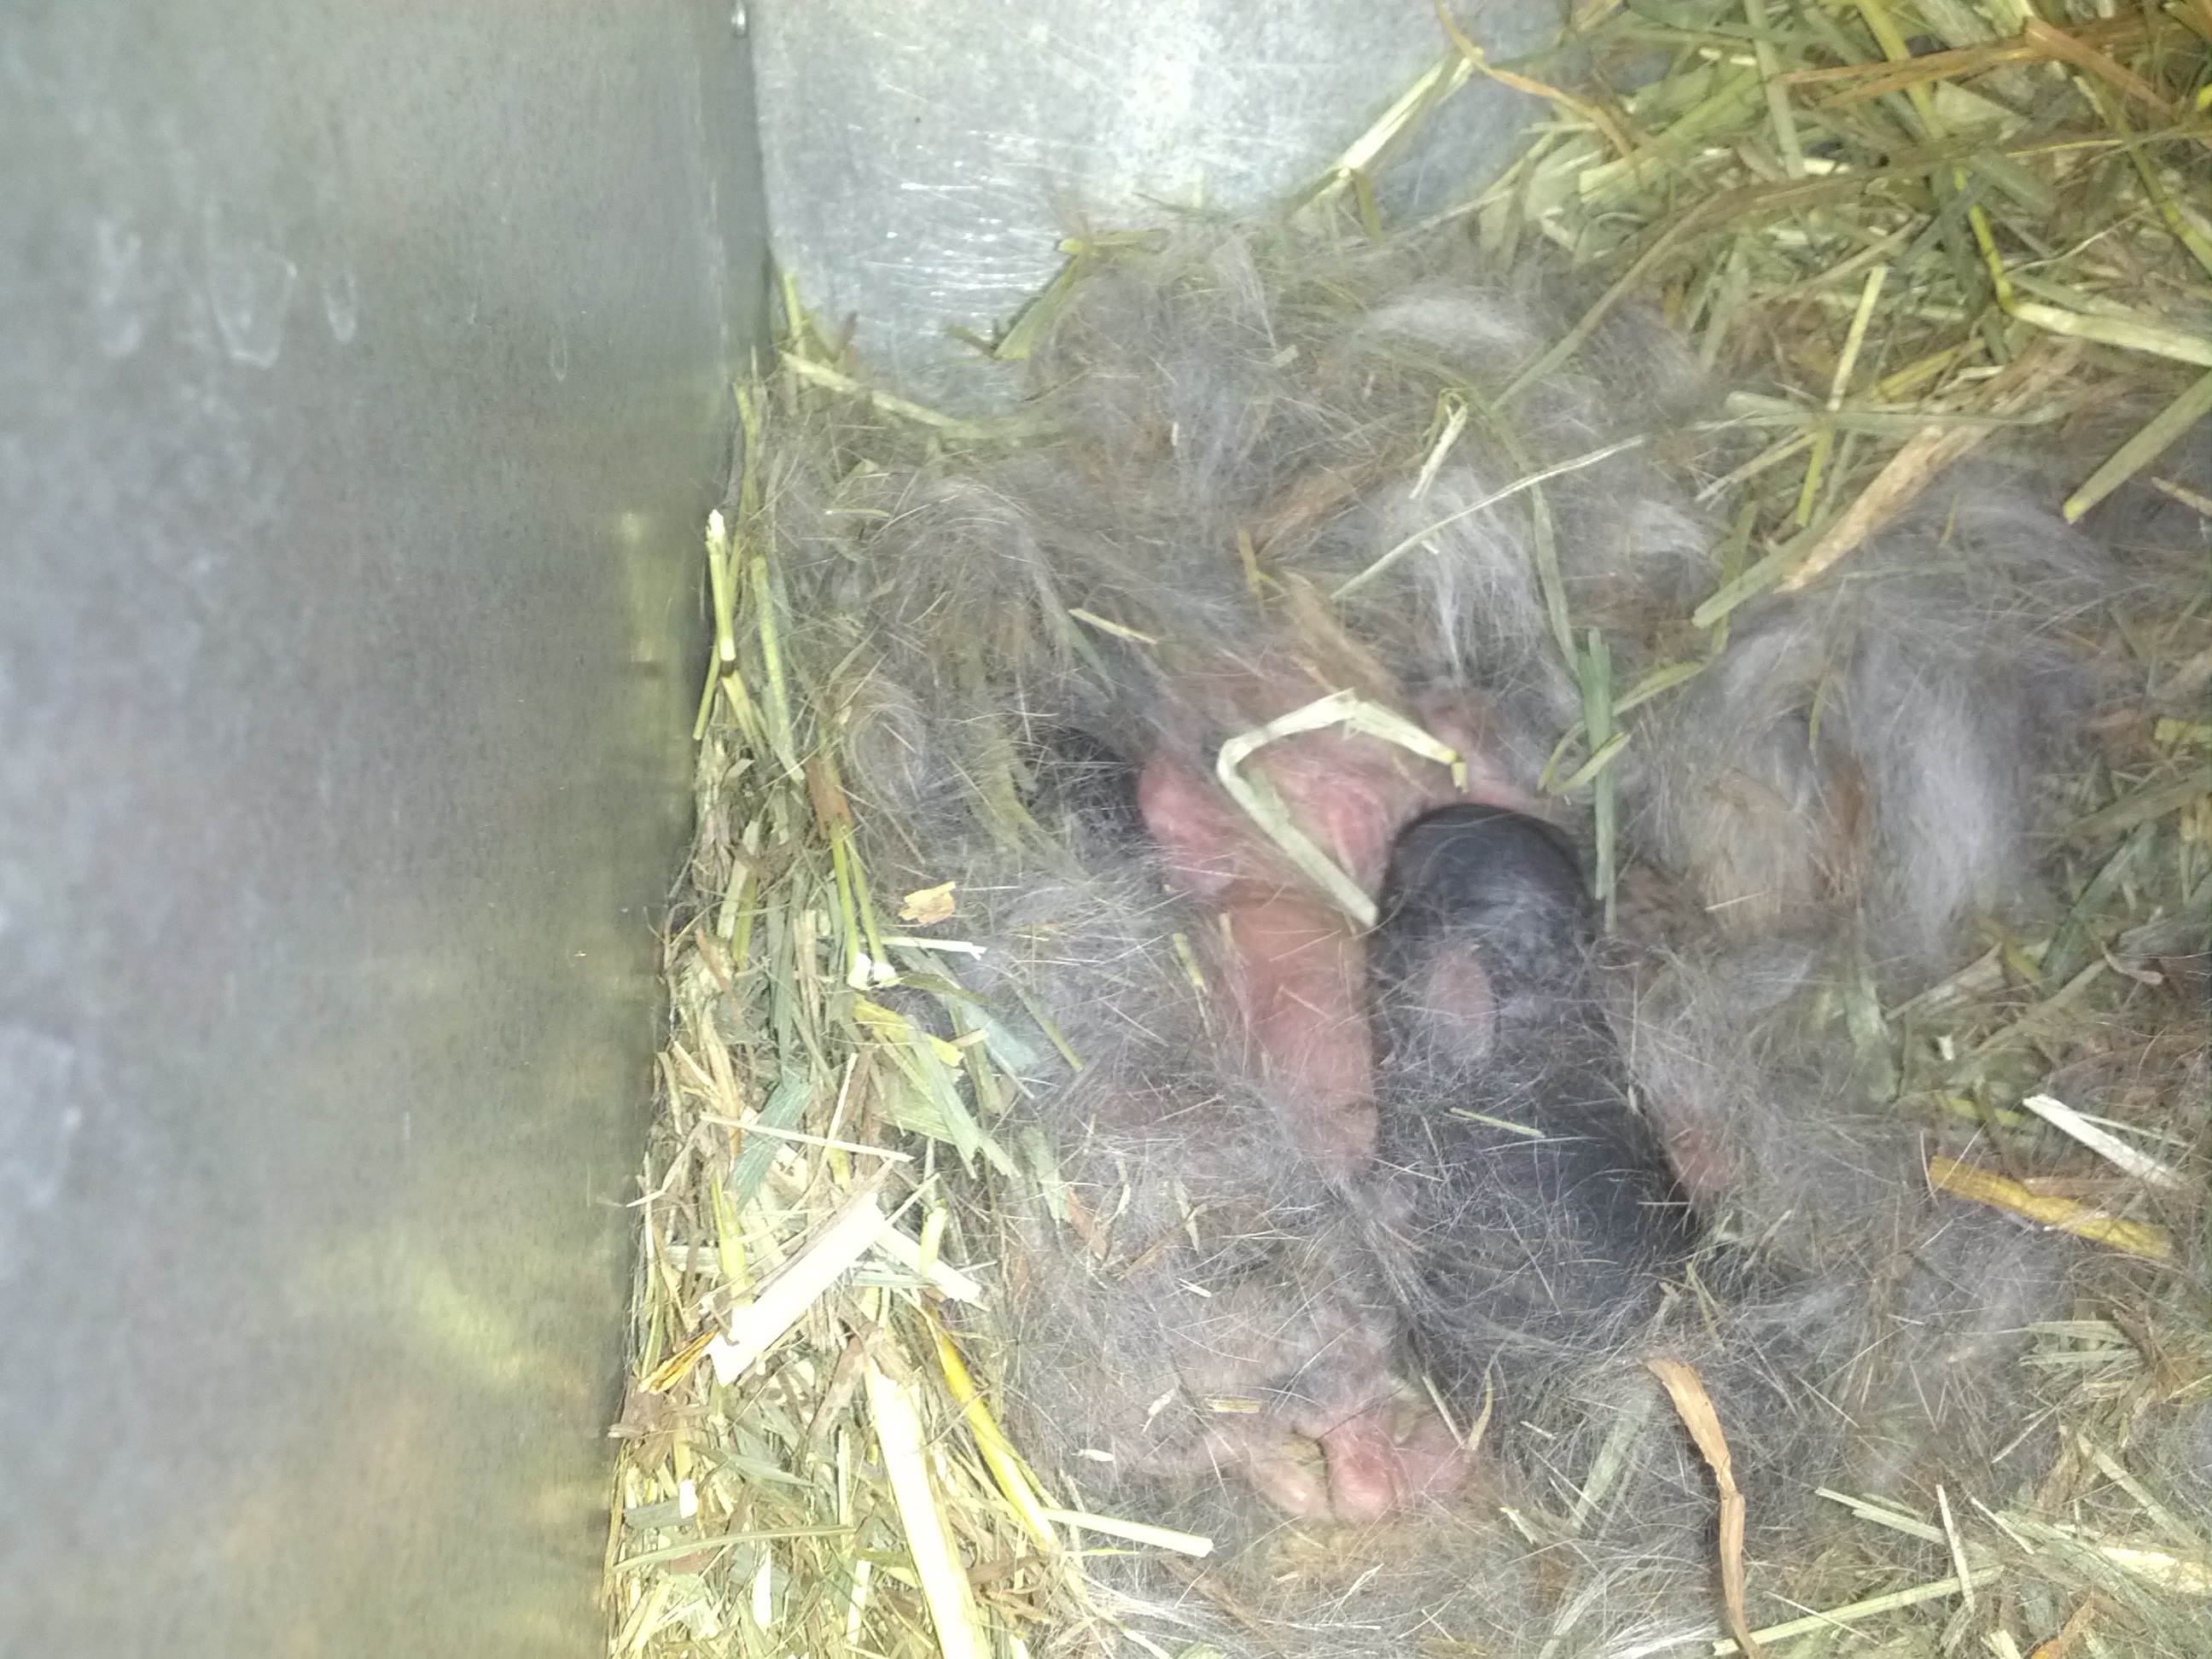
(1907, 254)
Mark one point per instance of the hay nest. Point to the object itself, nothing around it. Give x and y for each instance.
(1913, 232)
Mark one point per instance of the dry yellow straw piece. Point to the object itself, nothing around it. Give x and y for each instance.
(999, 1454)
(832, 379)
(755, 1329)
(1866, 1509)
(1593, 113)
(2184, 1575)
(928, 1541)
(1108, 625)
(2129, 334)
(1137, 1532)
(2163, 429)
(1923, 457)
(1695, 1407)
(2103, 1142)
(1971, 1181)
(1961, 1567)
(1420, 537)
(939, 1274)
(670, 1370)
(1937, 1589)
(2154, 1511)
(1355, 169)
(722, 587)
(1265, 807)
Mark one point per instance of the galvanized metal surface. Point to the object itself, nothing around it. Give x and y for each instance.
(361, 390)
(923, 162)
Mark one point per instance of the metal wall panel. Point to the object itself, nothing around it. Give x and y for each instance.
(360, 390)
(923, 162)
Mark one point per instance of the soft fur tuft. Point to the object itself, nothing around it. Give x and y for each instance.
(1228, 437)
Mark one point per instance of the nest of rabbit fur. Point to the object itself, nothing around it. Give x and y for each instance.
(1893, 788)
